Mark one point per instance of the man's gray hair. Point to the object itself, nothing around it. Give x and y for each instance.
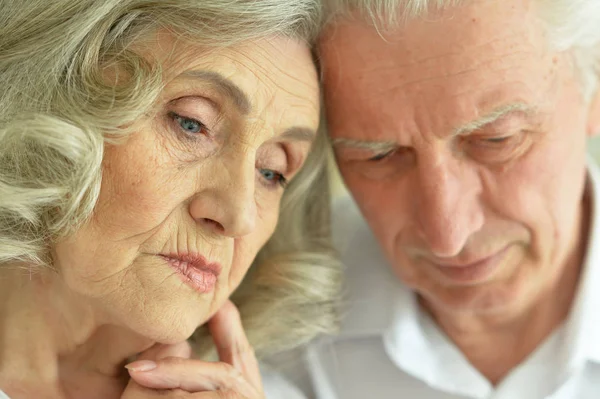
(572, 25)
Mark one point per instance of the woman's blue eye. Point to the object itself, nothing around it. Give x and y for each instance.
(273, 177)
(188, 125)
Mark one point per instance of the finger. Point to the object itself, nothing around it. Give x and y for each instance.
(232, 344)
(161, 351)
(190, 375)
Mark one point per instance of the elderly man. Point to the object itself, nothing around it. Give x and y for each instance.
(473, 253)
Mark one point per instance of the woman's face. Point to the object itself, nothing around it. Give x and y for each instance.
(190, 198)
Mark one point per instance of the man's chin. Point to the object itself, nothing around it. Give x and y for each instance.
(484, 300)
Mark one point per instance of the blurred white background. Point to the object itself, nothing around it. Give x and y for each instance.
(595, 148)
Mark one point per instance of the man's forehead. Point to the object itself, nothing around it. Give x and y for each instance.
(424, 77)
(452, 31)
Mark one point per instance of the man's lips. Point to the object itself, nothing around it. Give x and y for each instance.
(195, 270)
(470, 271)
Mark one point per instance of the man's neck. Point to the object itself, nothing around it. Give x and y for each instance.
(496, 344)
(495, 348)
(52, 339)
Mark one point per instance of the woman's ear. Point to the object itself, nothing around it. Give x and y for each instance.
(593, 128)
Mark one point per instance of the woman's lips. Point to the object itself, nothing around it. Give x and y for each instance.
(195, 270)
(474, 272)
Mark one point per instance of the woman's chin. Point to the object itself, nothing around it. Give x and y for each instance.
(165, 309)
(166, 322)
(168, 330)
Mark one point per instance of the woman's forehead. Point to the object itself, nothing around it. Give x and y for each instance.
(274, 76)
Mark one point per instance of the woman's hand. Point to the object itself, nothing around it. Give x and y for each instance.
(168, 372)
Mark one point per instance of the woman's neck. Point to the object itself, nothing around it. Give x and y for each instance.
(54, 340)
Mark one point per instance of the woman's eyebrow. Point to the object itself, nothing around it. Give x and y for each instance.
(226, 87)
(299, 133)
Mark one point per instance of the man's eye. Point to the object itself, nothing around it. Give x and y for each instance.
(188, 125)
(497, 140)
(498, 149)
(381, 156)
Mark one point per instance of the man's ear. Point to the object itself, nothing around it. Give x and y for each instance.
(593, 127)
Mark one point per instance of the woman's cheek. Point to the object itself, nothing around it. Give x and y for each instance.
(244, 254)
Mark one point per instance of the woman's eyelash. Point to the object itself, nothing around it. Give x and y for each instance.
(189, 126)
(193, 127)
(273, 177)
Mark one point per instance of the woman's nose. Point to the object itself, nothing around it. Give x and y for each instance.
(228, 205)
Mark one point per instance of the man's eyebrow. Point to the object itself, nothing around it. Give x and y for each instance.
(382, 146)
(492, 117)
(226, 87)
(374, 146)
(299, 133)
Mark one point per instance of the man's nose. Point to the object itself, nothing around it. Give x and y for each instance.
(228, 206)
(447, 205)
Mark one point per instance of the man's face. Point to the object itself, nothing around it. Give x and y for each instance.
(462, 138)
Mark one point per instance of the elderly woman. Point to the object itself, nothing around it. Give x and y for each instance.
(150, 153)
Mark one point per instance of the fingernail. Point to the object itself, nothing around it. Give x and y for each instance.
(141, 365)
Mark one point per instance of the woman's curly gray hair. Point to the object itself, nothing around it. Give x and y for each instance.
(57, 111)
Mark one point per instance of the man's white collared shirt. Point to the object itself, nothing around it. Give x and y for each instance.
(389, 348)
